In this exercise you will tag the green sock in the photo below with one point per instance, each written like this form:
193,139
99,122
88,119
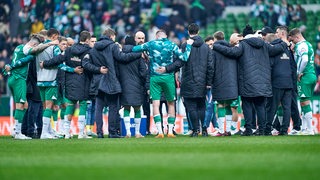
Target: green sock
62,113
137,114
171,120
306,109
82,108
221,112
47,113
157,118
55,115
126,112
18,115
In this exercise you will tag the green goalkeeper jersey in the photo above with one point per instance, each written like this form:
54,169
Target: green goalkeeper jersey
20,52
305,48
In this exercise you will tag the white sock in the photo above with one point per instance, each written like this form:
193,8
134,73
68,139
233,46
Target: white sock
303,122
170,128
18,128
55,123
159,127
137,122
127,125
46,125
15,127
81,124
221,124
234,124
308,120
228,122
67,124
280,119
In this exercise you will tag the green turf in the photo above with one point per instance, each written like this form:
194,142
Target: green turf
294,157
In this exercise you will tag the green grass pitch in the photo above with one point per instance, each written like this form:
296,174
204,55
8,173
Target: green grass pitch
289,157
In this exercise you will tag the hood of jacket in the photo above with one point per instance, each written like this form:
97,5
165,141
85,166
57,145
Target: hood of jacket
254,42
103,42
79,49
197,41
276,41
223,43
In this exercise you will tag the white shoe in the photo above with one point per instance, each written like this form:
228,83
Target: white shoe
68,136
138,135
21,136
90,133
294,132
307,132
56,135
46,136
84,136
275,132
189,132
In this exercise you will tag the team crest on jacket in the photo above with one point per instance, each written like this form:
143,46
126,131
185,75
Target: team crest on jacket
284,56
75,58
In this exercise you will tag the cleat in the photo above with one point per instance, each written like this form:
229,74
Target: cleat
294,132
46,136
128,136
189,132
194,134
90,133
171,136
204,133
227,133
67,136
219,134
275,132
84,136
138,135
21,137
160,136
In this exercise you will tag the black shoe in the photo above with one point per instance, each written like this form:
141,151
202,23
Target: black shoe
100,135
238,133
258,132
148,133
114,136
283,134
267,133
174,132
204,133
246,133
194,134
227,133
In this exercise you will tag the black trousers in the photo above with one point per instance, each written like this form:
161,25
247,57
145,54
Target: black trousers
112,101
295,114
196,111
257,103
279,95
32,117
146,110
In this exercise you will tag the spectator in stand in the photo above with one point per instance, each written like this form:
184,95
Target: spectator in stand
36,26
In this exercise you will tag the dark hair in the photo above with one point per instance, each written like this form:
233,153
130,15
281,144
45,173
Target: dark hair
219,35
193,29
209,38
284,28
84,35
109,32
52,32
161,31
62,38
129,40
247,30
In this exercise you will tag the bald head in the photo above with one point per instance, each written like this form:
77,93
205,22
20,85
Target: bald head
139,37
235,38
70,41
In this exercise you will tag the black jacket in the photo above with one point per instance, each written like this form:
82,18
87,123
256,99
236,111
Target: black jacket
254,67
107,53
224,76
76,85
132,79
281,76
33,92
196,72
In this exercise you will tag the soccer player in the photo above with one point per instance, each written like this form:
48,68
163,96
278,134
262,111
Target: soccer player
304,56
161,53
18,75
